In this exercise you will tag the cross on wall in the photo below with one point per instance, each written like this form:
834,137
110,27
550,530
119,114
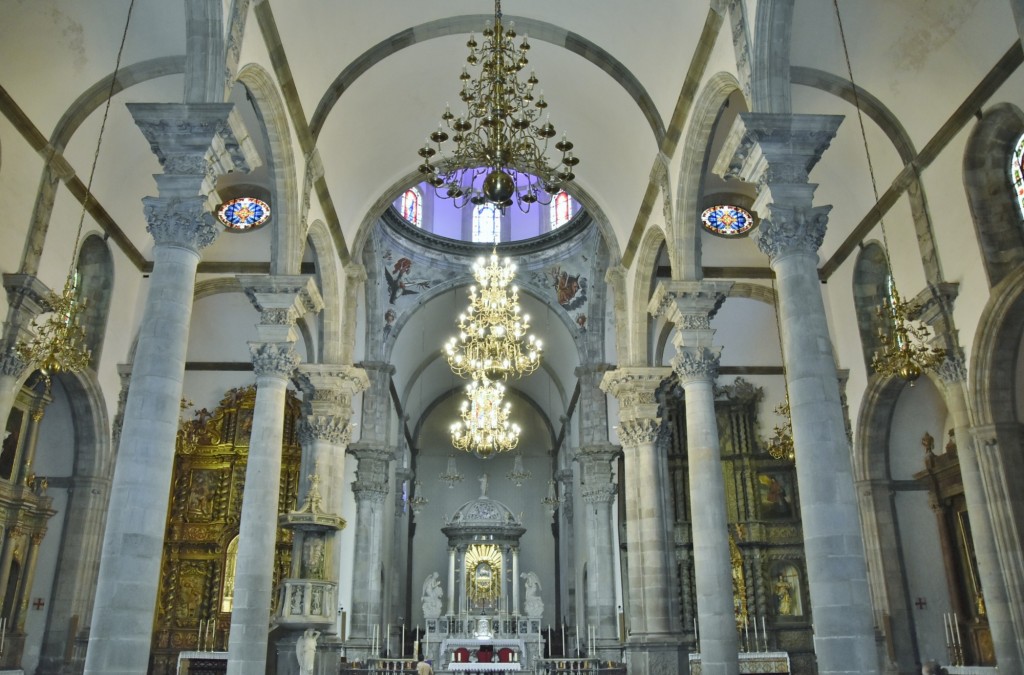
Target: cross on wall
38,603
921,603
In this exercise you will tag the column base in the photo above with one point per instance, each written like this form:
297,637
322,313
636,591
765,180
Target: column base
655,656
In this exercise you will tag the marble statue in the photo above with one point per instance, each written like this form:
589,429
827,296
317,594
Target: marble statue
483,486
305,651
432,597
533,605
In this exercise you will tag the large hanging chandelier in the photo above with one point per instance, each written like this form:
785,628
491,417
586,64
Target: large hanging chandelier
905,351
485,429
492,330
500,144
59,341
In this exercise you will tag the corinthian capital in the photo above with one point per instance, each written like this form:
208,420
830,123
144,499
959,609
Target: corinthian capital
639,431
327,428
695,364
274,358
180,221
635,389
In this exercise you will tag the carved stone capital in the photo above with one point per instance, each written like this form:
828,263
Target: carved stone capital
689,304
211,132
180,221
792,230
953,369
27,298
599,494
639,431
696,364
635,389
326,428
280,300
12,365
328,389
373,493
274,358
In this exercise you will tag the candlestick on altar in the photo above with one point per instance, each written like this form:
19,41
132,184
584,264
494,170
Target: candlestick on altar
199,637
754,621
696,636
764,632
402,648
211,633
3,633
563,639
746,637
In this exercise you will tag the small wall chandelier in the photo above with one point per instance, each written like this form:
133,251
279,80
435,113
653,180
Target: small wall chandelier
59,343
519,473
417,501
552,500
492,329
904,349
500,144
485,429
451,473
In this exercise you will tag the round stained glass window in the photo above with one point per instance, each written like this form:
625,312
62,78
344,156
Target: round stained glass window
244,213
727,221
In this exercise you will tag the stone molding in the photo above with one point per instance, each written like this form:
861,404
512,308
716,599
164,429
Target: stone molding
274,358
372,493
599,494
689,305
698,364
295,294
180,221
328,389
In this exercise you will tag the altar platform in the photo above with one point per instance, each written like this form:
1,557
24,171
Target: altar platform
202,663
752,662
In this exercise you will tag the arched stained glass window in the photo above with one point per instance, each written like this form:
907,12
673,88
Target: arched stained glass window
561,209
412,207
486,224
1017,173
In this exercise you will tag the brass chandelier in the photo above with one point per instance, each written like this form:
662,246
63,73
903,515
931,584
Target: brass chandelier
492,330
498,146
905,351
485,429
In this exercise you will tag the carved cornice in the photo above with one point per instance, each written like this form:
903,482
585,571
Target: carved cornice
696,364
689,305
635,389
180,221
640,431
270,294
274,358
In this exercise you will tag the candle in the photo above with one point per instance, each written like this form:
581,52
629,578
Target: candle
199,637
415,649
577,639
746,637
696,636
403,641
3,633
563,638
387,641
945,627
956,624
764,632
211,629
754,621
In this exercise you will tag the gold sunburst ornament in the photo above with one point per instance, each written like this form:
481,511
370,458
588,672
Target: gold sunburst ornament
483,574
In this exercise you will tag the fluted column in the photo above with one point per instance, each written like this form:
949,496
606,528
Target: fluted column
777,152
280,300
690,306
654,644
598,494
194,143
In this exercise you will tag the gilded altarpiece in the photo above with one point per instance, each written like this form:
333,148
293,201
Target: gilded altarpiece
197,572
765,534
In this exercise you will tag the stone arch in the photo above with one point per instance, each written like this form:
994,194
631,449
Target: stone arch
96,267
685,251
773,29
638,350
870,289
467,23
997,220
330,336
287,244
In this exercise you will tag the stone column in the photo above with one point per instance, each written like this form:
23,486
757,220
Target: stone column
777,152
567,542
598,492
690,305
28,575
653,645
24,468
515,581
451,581
193,143
280,300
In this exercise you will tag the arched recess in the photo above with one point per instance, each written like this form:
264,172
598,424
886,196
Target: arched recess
870,289
887,581
327,272
638,350
74,580
990,194
96,284
686,253
287,246
997,391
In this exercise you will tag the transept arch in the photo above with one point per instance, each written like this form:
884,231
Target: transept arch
96,267
986,165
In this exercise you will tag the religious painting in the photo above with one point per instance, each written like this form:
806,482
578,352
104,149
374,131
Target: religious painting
192,584
570,288
787,598
202,491
775,496
397,276
10,444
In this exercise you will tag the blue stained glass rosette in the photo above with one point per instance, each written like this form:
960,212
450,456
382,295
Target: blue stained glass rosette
727,221
244,213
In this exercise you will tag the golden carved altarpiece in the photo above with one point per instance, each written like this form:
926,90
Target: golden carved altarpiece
197,572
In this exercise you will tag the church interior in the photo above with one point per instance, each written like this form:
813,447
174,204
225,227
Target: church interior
561,337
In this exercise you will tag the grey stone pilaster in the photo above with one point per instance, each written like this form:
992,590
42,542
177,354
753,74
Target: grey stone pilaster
653,638
370,490
690,306
280,300
27,297
777,151
598,492
194,143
